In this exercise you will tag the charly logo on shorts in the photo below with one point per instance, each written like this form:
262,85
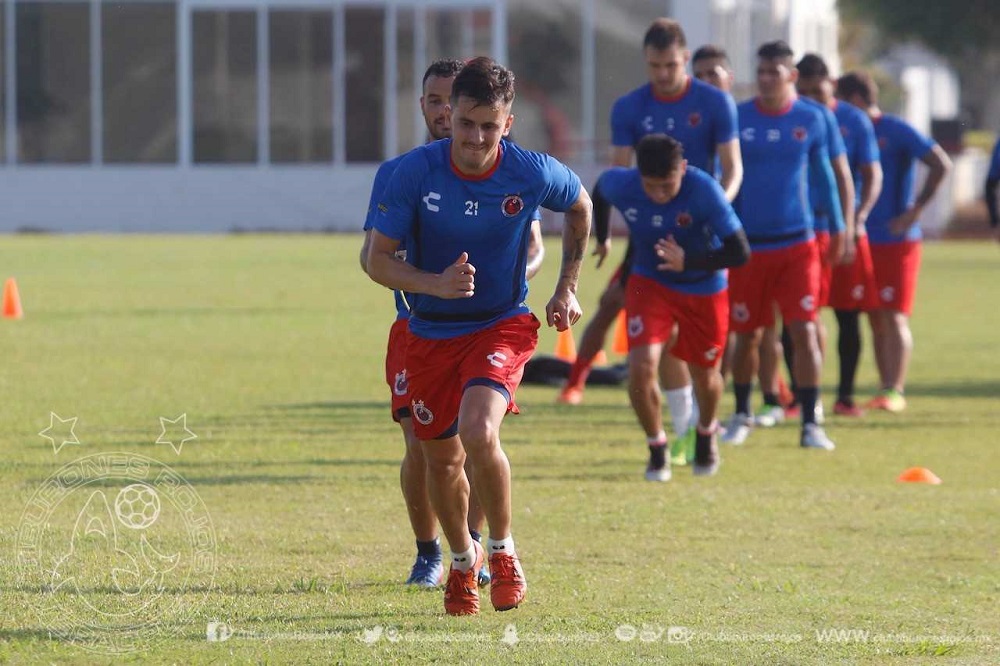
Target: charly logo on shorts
741,313
712,354
635,326
887,294
120,549
512,205
423,415
858,292
402,384
808,303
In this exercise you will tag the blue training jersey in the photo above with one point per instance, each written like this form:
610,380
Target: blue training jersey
859,139
382,176
995,162
444,213
835,147
698,217
699,118
779,148
900,146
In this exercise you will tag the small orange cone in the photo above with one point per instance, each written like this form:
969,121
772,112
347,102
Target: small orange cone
620,344
566,346
600,359
919,475
11,301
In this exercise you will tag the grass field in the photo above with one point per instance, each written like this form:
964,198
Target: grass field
272,347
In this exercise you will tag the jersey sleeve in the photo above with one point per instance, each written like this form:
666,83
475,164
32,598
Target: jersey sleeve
718,213
396,210
826,182
868,152
378,188
562,185
995,162
610,183
622,124
916,143
725,119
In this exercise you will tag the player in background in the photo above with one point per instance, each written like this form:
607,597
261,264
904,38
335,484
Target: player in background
710,64
466,205
992,183
428,568
703,119
852,283
894,233
677,281
782,138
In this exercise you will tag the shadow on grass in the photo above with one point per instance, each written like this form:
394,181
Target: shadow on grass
989,389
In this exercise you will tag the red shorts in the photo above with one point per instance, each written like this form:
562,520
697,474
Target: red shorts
896,267
702,320
441,370
853,286
825,268
787,276
395,368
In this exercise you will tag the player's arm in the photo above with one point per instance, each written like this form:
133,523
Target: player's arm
871,187
845,187
563,310
938,165
536,249
456,281
829,196
363,257
602,225
731,161
991,201
735,251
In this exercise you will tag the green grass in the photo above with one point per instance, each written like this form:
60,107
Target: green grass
273,347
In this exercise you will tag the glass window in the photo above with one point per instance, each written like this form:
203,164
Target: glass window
407,85
365,84
53,82
3,85
139,82
224,61
301,54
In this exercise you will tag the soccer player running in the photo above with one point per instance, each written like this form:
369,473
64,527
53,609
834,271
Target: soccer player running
851,283
782,138
428,568
703,119
466,204
679,214
992,183
894,233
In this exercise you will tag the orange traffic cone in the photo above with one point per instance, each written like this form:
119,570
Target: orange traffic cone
11,301
919,475
566,346
620,344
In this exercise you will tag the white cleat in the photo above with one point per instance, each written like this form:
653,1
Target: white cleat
813,437
769,417
663,474
737,429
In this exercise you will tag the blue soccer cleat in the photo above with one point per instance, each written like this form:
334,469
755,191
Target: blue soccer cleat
426,572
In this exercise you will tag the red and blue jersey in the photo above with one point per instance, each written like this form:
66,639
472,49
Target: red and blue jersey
698,217
443,212
995,162
700,118
900,146
779,149
859,139
382,176
835,147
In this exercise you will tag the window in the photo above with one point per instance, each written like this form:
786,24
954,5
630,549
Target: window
364,83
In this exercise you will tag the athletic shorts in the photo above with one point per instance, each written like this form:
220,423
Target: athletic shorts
825,267
788,276
702,320
853,284
395,368
896,268
441,370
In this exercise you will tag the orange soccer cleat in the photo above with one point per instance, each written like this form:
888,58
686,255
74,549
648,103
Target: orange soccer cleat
461,592
508,586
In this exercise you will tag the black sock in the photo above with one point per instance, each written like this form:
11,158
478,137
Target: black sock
429,548
476,536
849,349
657,456
808,398
771,399
788,351
742,398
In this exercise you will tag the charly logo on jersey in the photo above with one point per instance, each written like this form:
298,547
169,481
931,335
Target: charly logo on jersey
748,134
432,196
631,214
496,359
741,312
512,205
402,384
800,133
635,326
423,415
808,303
647,124
684,219
694,119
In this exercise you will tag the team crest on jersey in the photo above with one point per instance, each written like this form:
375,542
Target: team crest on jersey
684,220
512,205
402,384
421,413
883,142
800,133
844,132
694,119
635,326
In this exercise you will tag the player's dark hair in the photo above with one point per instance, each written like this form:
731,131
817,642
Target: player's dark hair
709,51
657,155
777,50
485,81
664,33
860,84
812,65
445,68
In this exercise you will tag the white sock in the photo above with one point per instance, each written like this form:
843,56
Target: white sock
680,401
659,440
505,545
464,561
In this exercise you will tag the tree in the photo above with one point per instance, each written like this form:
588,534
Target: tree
965,32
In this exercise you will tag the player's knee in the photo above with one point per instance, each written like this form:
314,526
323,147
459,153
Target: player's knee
479,435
